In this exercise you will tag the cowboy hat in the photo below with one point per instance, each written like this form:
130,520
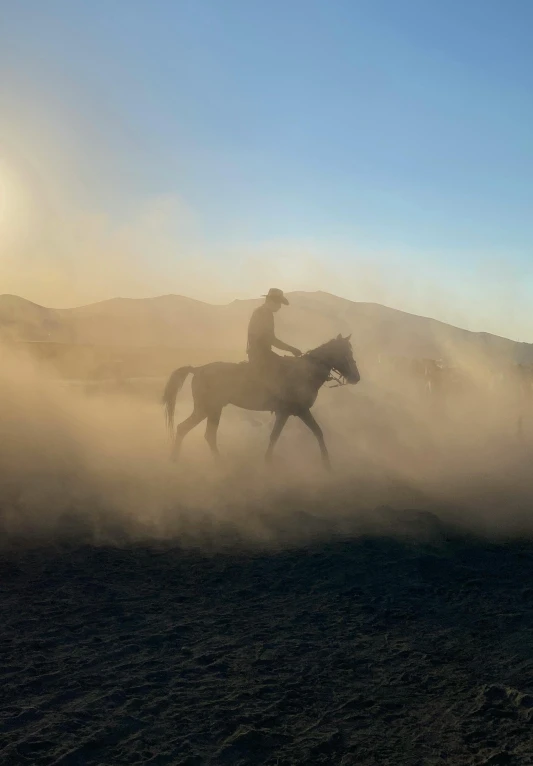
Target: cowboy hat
276,295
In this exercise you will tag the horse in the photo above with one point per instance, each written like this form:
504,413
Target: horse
218,384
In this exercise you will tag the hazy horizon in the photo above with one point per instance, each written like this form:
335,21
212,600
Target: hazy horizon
382,157
257,298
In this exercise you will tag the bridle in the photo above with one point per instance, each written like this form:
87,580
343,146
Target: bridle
334,374
339,379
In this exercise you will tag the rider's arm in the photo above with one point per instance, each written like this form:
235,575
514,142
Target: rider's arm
285,347
262,325
280,344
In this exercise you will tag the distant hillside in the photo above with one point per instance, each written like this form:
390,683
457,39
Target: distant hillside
178,322
22,320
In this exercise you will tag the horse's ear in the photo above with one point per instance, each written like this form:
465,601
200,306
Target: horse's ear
339,337
348,337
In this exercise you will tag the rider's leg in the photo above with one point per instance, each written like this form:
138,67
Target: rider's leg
266,369
311,423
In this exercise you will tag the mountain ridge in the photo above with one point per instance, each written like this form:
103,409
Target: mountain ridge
180,321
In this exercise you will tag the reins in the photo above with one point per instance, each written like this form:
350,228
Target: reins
339,379
334,374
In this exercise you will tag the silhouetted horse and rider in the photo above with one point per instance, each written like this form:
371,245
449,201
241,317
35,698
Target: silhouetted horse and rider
267,382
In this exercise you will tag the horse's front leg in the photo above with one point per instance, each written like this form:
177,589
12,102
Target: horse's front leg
311,423
281,419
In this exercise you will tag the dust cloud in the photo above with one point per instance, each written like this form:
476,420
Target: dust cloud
96,466
91,465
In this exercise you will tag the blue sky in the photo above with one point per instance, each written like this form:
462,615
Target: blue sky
393,135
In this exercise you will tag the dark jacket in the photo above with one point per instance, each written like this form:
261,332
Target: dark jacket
261,336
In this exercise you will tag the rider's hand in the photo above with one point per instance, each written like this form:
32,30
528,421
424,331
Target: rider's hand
296,352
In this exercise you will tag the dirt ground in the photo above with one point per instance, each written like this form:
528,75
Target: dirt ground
357,651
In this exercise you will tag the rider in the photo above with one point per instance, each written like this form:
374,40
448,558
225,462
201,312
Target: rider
261,335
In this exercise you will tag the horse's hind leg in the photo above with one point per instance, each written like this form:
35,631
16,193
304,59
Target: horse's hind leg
279,425
213,419
183,429
311,423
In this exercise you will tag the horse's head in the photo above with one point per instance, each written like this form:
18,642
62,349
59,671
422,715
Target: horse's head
343,361
338,354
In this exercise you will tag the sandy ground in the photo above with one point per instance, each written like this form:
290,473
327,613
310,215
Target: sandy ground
361,651
231,614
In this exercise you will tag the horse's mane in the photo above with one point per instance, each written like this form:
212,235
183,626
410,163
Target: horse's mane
316,351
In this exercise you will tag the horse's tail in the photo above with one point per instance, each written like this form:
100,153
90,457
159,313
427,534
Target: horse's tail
172,388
